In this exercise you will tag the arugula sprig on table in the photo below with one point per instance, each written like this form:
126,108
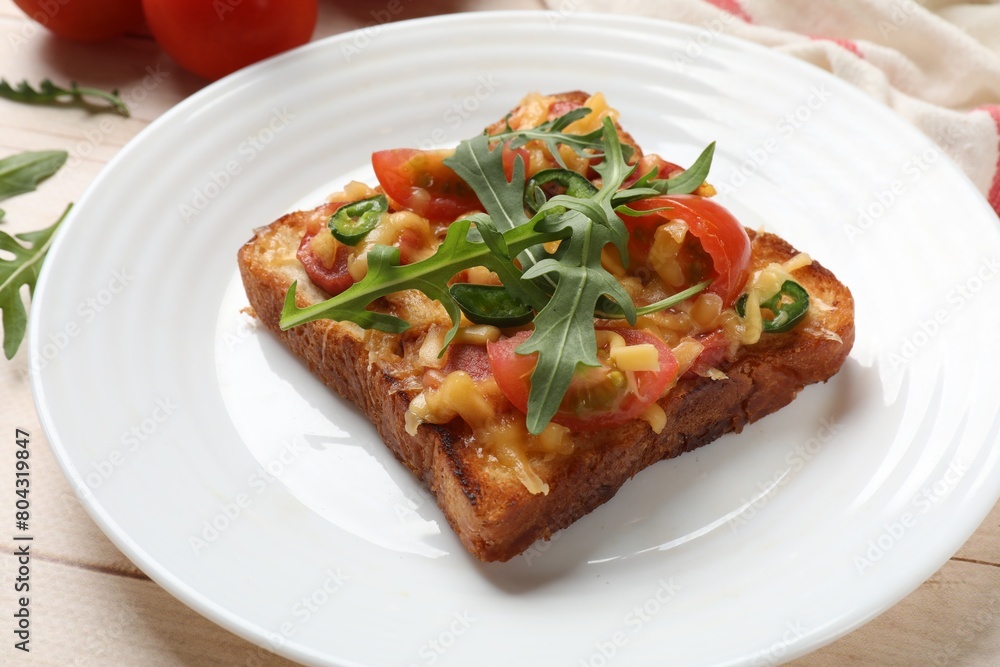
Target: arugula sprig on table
29,250
565,287
23,172
19,174
50,94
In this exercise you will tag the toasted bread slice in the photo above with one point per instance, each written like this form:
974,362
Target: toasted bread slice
490,509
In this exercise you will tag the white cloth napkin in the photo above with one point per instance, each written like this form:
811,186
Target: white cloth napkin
936,62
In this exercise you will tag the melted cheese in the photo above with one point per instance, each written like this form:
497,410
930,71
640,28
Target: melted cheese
353,191
501,433
389,231
325,247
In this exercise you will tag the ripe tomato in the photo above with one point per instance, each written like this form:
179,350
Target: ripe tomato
85,20
595,399
510,156
419,181
213,39
719,233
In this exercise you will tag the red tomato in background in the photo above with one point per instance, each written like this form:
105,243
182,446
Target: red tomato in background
85,20
512,372
213,39
720,234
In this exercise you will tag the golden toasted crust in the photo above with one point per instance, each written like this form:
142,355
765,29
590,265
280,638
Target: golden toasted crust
489,508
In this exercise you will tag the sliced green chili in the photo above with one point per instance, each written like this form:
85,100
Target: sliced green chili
571,182
352,222
786,313
490,304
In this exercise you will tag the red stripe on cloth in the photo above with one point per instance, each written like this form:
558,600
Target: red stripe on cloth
733,7
994,196
847,44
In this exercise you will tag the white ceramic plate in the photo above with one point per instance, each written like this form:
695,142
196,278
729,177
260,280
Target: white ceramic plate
237,482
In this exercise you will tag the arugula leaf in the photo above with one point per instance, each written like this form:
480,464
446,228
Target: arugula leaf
683,183
482,169
430,276
23,172
551,134
564,330
22,270
75,96
688,180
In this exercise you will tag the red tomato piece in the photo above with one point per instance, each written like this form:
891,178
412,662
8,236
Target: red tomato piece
419,181
213,39
510,155
593,401
721,236
85,20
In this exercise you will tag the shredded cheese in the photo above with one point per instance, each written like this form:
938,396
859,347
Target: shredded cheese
642,357
477,334
655,417
389,231
503,435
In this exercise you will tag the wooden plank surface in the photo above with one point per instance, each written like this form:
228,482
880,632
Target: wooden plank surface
92,606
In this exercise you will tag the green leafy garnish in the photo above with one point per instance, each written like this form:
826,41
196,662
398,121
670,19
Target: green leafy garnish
386,276
29,250
551,134
564,289
23,172
564,330
50,94
688,180
683,183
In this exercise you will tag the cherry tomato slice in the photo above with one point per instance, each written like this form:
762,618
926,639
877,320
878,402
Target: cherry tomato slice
509,155
419,181
721,236
593,386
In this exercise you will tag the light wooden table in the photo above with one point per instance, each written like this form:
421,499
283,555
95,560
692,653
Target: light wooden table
91,606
